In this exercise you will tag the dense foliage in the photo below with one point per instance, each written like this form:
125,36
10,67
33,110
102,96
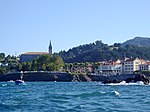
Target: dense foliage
2,56
41,63
2,70
138,41
99,51
8,63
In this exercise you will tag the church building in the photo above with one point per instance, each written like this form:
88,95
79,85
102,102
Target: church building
29,56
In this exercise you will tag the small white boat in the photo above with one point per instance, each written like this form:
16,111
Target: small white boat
18,82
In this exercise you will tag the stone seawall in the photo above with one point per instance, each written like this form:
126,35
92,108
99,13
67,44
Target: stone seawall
67,77
59,77
37,76
50,76
8,77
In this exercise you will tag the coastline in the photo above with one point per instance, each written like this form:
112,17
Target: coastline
44,76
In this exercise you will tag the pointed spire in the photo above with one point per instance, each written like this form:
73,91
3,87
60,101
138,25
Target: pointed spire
50,48
50,45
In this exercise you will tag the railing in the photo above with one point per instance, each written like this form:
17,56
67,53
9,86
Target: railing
21,72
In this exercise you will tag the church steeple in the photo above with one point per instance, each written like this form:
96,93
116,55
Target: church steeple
50,48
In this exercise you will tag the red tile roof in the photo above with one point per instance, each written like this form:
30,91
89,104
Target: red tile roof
35,53
130,59
148,63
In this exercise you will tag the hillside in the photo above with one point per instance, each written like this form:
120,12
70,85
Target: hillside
83,53
138,41
98,51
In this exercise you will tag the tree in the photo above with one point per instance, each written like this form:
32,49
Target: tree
3,70
2,56
26,66
51,67
117,45
41,63
8,58
58,61
19,67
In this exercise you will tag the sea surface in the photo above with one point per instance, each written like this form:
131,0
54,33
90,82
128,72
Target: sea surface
74,97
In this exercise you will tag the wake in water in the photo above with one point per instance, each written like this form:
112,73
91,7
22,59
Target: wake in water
111,93
124,83
96,94
11,83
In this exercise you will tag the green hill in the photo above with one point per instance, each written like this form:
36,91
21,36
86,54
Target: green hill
138,41
98,51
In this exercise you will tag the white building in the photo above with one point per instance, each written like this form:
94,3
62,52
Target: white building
128,66
145,66
110,69
131,65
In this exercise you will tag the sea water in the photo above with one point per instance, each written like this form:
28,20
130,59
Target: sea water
74,97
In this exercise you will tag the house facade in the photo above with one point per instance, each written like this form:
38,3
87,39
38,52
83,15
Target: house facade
110,69
145,66
126,66
131,65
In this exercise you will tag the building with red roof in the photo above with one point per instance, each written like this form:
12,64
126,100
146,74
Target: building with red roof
29,56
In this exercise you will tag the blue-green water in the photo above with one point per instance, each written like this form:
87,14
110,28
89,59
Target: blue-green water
73,97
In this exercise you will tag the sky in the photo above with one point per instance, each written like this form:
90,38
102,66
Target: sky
29,25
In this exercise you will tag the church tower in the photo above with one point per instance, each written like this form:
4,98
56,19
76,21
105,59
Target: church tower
50,48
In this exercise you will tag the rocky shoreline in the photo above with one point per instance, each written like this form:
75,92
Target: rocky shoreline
133,78
67,77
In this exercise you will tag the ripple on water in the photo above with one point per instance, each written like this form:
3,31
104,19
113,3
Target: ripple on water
78,97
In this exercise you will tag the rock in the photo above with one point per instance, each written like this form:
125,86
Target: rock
143,78
111,81
139,77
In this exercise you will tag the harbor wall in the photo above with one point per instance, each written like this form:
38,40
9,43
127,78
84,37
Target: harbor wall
64,77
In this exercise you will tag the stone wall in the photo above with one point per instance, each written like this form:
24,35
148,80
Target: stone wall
66,77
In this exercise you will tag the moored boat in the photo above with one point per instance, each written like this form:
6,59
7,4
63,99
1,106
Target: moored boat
18,82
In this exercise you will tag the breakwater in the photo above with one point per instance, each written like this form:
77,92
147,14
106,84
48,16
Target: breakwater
67,77
50,76
37,76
